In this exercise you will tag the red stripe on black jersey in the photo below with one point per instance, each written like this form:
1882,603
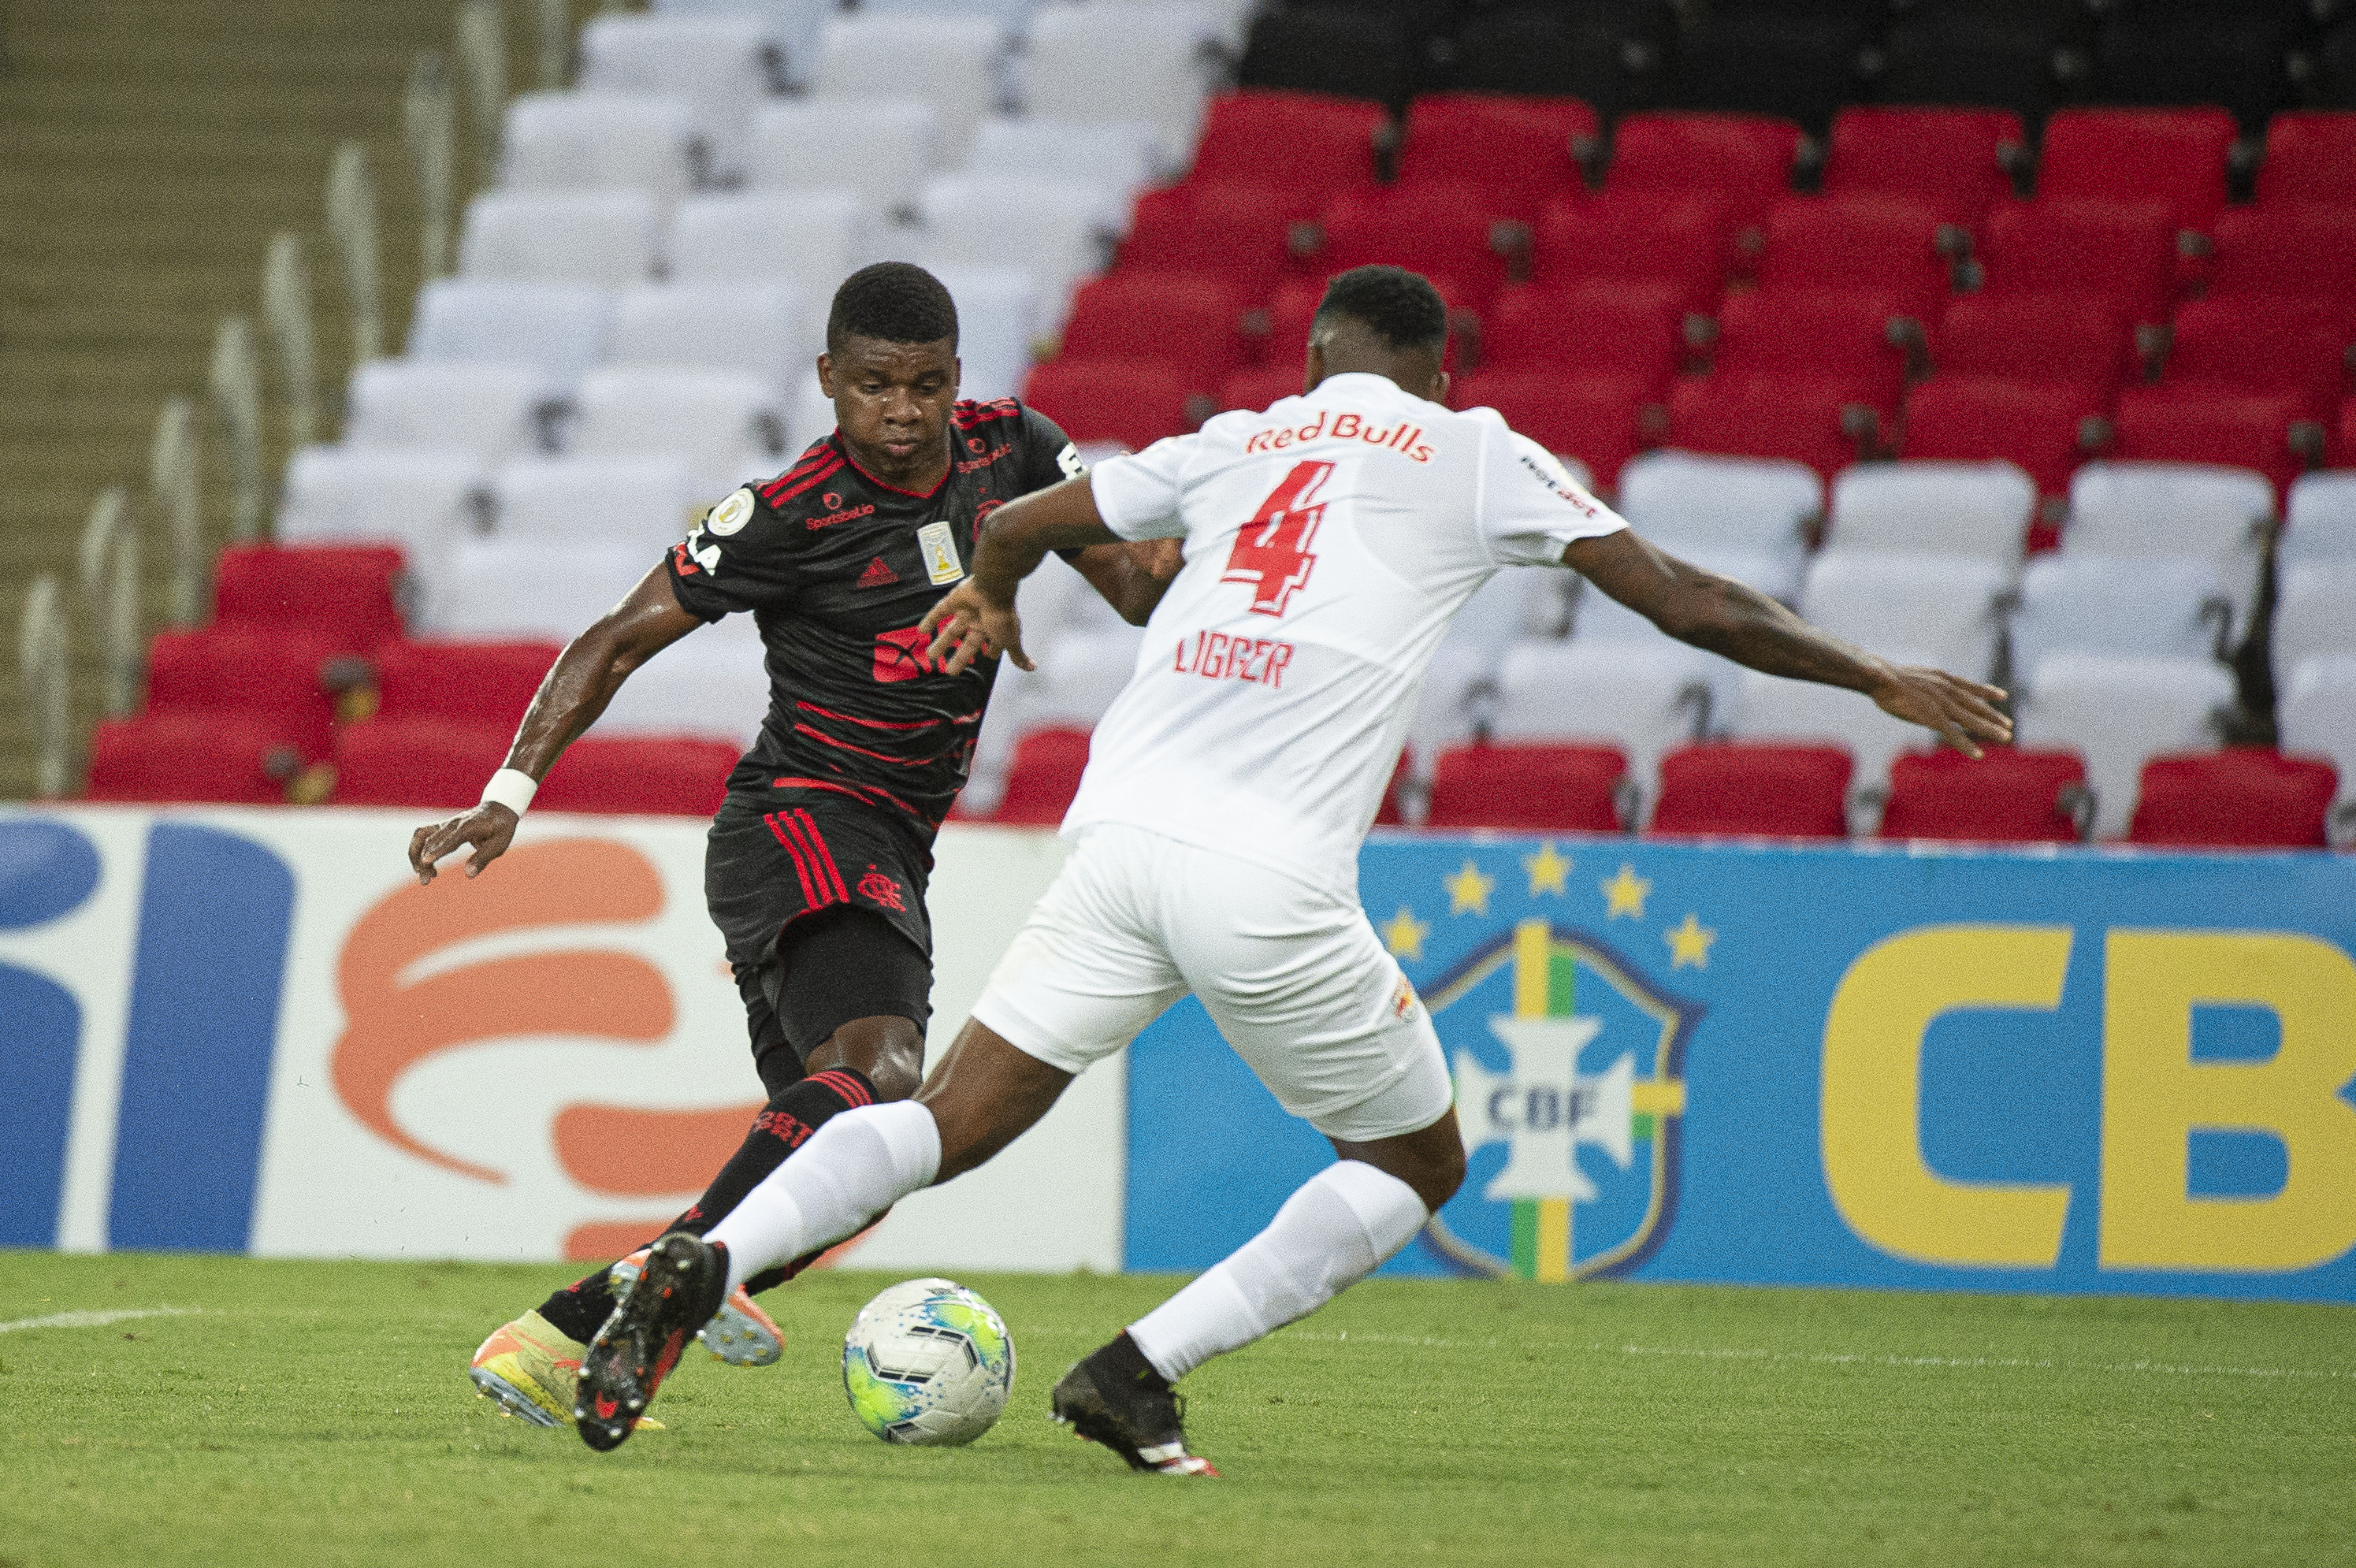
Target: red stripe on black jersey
810,826
809,480
811,895
973,413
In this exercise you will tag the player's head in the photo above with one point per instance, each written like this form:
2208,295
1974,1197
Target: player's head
1385,320
890,367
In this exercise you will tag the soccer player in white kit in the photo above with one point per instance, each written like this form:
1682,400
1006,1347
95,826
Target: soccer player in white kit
1328,541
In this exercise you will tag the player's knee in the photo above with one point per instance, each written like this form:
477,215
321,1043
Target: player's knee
889,1051
1444,1175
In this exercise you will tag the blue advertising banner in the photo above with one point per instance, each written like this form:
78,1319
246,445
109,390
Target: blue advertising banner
2080,1071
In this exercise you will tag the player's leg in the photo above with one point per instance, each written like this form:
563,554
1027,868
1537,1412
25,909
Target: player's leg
1302,988
1070,991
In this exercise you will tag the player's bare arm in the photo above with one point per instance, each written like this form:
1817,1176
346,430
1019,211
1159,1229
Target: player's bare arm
1132,577
978,615
1731,619
575,691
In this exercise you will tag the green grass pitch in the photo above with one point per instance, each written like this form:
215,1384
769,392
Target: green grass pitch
317,1412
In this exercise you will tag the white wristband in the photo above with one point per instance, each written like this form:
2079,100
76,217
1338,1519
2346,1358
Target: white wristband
511,788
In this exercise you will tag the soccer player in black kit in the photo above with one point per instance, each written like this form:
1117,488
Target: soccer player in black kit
818,861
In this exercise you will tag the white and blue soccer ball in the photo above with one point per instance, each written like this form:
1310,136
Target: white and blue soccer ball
928,1362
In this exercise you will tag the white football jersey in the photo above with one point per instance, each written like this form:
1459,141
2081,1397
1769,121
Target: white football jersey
1328,544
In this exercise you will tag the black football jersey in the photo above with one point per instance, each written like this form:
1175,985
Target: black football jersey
837,568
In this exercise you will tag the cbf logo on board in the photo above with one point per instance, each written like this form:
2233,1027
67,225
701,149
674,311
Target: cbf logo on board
1568,1059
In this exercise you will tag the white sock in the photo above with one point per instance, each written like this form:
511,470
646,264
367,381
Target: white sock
1332,1233
852,1169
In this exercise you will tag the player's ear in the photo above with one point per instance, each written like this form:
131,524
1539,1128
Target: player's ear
1315,370
957,375
825,374
1438,392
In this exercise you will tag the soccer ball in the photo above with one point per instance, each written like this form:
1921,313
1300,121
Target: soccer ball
928,1362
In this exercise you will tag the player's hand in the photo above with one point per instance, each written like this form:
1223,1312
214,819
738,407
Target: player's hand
489,828
1963,712
967,625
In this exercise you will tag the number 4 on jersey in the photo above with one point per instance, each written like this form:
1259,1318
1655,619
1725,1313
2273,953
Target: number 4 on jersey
1272,550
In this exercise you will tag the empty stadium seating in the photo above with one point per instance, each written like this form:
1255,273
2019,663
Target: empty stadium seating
1528,787
2007,796
2242,798
1732,788
1951,161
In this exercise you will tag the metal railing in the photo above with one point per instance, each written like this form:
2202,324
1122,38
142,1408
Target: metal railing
236,383
286,313
41,655
173,467
110,560
429,125
351,224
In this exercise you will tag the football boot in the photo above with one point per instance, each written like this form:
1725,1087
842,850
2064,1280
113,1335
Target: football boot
681,1284
742,1336
529,1366
1141,1423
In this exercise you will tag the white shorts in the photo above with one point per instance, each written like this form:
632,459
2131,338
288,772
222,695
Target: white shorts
1295,979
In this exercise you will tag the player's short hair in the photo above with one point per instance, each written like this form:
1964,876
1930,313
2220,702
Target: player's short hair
1397,306
898,302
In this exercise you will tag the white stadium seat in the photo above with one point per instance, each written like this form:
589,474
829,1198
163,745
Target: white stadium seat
722,427
1153,63
1227,21
1080,675
1118,156
1598,618
489,410
526,589
2317,718
1686,501
1915,609
1460,687
813,239
763,329
1058,231
1979,509
958,57
713,682
2321,521
2175,508
720,64
607,239
568,141
791,26
2118,712
425,502
1647,700
2094,603
561,329
645,503
2315,614
810,416
996,309
885,149
1012,17
1772,708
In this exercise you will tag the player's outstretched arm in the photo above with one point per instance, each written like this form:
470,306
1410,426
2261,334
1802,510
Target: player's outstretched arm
1132,577
1746,625
577,687
978,617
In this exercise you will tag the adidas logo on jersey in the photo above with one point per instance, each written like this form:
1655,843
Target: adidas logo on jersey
877,575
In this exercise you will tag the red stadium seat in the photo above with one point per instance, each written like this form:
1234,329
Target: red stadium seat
1045,777
1528,789
2243,798
2171,155
2006,797
1517,151
2038,338
1600,417
2309,251
270,673
2310,157
1728,788
1439,231
1190,322
2040,425
225,758
1237,233
466,681
1949,160
1676,239
656,775
1746,159
1816,332
2124,252
2346,435
1295,304
430,762
1133,402
2200,424
1820,421
345,593
1257,388
2265,343
1633,328
1305,141
1877,242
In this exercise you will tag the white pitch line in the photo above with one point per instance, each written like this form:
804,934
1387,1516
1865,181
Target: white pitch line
96,1319
1835,1358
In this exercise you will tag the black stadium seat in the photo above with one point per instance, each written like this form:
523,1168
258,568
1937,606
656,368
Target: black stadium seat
2020,54
1796,59
2235,53
1349,48
1611,53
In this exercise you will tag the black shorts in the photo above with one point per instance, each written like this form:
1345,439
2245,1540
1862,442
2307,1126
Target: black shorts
823,911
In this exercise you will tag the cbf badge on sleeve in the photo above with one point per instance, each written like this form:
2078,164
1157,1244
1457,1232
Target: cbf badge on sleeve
938,547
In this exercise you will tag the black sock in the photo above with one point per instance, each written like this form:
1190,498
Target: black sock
579,1309
1128,1363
